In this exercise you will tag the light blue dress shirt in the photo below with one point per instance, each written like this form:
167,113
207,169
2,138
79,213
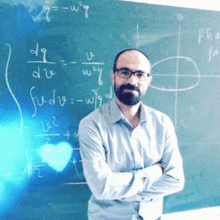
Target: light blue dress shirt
118,163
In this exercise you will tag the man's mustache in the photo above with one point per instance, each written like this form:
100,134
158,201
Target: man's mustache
129,87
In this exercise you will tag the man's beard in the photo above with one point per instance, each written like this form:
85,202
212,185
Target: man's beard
128,98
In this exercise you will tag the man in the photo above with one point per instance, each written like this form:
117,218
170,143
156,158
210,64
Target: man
129,151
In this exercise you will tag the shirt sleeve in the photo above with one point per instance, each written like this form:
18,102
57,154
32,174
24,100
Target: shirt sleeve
172,180
104,183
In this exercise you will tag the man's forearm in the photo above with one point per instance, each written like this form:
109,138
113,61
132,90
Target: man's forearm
106,184
167,184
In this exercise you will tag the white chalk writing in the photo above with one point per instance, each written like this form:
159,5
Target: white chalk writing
36,101
70,8
206,34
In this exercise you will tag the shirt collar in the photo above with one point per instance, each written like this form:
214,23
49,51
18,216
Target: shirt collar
116,114
143,116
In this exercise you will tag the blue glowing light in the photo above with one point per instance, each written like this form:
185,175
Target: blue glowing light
56,156
13,173
13,156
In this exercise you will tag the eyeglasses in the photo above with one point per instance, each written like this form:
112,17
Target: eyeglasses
125,73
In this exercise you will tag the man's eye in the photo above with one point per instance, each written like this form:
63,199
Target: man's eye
140,75
125,72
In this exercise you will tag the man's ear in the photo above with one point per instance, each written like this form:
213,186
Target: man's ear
149,79
112,76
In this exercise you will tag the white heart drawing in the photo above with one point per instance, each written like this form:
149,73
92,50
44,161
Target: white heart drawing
56,156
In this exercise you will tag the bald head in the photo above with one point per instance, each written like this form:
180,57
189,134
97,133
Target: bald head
129,56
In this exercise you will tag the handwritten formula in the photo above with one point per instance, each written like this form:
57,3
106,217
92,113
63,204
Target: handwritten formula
78,8
45,70
52,98
213,38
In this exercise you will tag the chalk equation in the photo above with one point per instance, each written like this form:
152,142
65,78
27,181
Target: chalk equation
41,55
52,130
41,58
78,8
52,97
206,34
95,100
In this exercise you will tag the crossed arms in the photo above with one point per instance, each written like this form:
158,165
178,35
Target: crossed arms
161,179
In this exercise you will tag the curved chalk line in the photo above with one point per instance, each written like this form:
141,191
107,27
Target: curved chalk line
178,90
9,88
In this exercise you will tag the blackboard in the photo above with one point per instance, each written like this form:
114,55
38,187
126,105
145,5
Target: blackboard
55,61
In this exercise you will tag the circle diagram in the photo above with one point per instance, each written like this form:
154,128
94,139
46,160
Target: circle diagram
184,77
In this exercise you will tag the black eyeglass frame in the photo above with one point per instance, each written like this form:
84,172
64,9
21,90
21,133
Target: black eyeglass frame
132,73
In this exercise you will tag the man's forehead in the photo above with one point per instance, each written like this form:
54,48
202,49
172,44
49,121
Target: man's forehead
133,57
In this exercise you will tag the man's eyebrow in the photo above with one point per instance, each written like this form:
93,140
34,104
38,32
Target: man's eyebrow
124,68
138,71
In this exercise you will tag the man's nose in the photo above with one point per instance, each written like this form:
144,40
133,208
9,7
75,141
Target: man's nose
132,79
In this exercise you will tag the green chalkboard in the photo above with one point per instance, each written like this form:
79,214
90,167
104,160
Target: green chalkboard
55,63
